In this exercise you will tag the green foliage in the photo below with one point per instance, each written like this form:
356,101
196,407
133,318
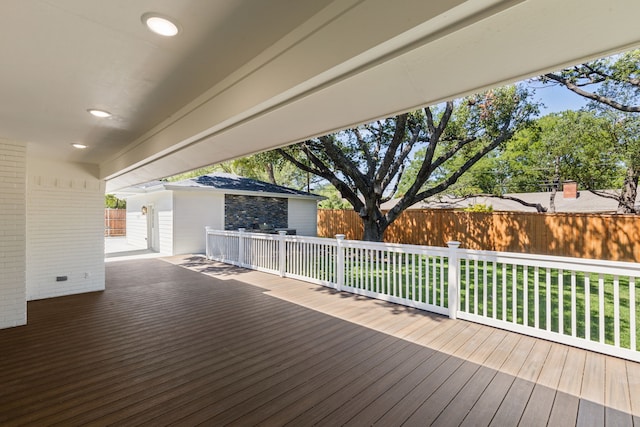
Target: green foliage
268,166
333,198
112,202
479,207
578,144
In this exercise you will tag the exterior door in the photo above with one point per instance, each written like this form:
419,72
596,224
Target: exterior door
152,229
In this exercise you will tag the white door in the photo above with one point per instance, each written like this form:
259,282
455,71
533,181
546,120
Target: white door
152,229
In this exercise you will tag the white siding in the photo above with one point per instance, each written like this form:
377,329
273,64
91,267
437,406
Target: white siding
65,229
193,211
303,216
163,217
13,305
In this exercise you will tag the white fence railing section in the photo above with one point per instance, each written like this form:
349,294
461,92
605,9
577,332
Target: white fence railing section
586,303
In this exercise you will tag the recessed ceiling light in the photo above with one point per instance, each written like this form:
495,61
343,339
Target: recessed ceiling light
99,113
160,24
79,146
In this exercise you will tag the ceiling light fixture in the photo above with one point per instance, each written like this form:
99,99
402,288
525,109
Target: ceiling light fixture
79,146
99,113
160,24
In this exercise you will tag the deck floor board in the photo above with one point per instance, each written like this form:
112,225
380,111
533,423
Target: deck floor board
186,341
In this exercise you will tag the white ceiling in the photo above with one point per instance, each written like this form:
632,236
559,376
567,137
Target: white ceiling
248,75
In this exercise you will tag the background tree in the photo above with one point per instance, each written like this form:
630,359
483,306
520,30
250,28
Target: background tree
572,145
366,164
613,85
112,202
267,166
333,199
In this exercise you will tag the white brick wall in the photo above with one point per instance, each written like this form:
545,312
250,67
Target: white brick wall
65,229
13,306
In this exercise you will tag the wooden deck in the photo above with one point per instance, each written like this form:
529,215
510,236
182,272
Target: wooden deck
169,345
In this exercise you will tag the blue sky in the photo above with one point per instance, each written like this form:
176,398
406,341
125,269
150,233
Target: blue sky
557,98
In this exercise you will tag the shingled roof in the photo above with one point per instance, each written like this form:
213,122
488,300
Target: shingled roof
222,182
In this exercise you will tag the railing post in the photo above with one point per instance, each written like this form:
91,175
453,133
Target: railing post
241,246
340,262
453,279
207,245
282,254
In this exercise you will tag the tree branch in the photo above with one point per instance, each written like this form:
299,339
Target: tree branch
593,96
398,138
537,206
324,172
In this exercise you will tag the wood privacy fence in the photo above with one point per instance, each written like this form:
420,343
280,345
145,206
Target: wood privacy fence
115,222
595,236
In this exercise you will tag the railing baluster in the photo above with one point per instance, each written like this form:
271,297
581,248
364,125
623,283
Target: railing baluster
504,292
378,270
548,298
574,323
420,281
587,307
560,302
536,297
601,307
407,266
494,291
466,285
514,293
632,313
484,288
616,311
525,296
442,281
475,286
413,278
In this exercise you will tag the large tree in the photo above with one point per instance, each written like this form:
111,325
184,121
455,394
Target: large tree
366,163
612,85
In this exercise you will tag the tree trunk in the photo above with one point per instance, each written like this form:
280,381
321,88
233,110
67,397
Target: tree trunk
270,173
627,202
372,231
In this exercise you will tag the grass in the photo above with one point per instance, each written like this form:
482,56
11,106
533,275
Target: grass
550,288
488,289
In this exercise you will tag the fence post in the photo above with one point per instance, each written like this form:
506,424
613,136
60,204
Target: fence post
207,245
282,254
453,279
241,246
340,262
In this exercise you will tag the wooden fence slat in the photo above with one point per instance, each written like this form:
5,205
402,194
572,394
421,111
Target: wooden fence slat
596,236
115,222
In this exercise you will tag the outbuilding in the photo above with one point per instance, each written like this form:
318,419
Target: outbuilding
170,217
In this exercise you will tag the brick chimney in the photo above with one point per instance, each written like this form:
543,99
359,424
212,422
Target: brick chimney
570,190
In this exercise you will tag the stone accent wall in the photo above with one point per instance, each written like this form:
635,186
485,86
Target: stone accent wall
251,211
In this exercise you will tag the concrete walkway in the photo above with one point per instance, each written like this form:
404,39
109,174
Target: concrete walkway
117,249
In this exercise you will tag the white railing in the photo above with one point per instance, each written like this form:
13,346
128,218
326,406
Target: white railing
586,303
405,274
